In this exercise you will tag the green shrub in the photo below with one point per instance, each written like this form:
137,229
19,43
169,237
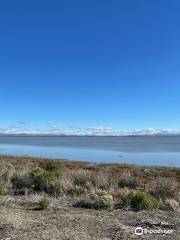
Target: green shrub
103,200
1,186
97,200
43,181
44,203
140,200
49,165
80,178
77,191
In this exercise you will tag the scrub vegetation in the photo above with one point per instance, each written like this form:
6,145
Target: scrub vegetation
57,199
101,186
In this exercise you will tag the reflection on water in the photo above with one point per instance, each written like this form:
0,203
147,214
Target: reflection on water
94,155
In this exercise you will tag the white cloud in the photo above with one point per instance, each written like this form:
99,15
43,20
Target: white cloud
97,131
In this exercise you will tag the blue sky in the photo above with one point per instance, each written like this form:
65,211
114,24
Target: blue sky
89,64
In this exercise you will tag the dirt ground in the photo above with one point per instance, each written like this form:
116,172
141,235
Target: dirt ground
20,219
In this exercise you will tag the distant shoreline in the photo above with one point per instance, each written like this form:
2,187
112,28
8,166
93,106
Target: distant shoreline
86,135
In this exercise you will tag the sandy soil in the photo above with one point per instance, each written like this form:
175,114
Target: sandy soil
21,219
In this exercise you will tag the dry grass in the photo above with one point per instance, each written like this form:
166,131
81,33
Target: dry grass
101,179
127,180
101,186
162,187
59,178
172,204
21,180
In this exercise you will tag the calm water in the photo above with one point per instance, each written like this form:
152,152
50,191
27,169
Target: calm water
144,150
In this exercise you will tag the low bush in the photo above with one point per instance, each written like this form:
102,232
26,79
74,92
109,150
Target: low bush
77,191
127,180
43,181
119,194
49,165
44,203
79,177
140,201
21,182
64,184
1,186
97,200
163,188
172,204
102,180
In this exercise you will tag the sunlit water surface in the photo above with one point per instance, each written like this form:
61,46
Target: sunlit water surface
144,150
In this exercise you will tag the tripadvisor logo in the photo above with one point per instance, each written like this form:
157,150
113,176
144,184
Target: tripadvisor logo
140,231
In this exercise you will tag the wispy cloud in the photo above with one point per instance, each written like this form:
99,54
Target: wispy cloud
23,122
